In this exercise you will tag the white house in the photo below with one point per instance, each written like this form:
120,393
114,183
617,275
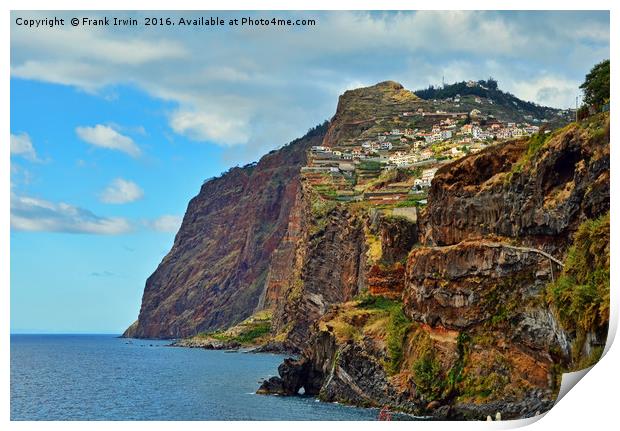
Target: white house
446,134
320,149
427,176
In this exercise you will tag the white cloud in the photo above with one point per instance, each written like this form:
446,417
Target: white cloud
32,214
106,137
202,126
21,145
86,76
230,87
121,191
225,73
166,223
40,215
97,46
548,90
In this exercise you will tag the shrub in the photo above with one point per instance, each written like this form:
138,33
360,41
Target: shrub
427,374
534,145
580,295
260,330
397,330
376,302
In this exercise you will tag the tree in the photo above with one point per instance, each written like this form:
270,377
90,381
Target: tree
596,86
491,84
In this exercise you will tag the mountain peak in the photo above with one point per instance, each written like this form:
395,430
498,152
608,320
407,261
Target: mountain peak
366,105
390,84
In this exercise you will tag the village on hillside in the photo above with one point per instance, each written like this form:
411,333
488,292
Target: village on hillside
394,166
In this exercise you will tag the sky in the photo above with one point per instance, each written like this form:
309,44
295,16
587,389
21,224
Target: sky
114,129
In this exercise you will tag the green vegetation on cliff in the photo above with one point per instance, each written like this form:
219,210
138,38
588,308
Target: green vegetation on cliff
596,85
580,295
397,328
397,331
251,331
594,129
427,370
535,143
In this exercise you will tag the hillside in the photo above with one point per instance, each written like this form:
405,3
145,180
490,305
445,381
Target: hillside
214,275
364,112
486,95
468,314
427,261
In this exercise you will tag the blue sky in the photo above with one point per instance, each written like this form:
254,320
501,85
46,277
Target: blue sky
114,129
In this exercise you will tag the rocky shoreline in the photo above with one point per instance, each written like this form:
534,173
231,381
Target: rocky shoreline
214,344
349,375
295,374
207,344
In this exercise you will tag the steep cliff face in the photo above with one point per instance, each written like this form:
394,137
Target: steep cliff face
215,273
538,190
487,309
469,305
326,259
326,267
460,286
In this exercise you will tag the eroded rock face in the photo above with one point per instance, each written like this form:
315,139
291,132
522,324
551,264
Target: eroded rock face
309,372
343,373
466,284
398,235
494,234
357,378
214,275
292,377
483,194
388,282
328,268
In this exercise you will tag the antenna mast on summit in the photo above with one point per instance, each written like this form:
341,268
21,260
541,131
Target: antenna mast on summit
576,106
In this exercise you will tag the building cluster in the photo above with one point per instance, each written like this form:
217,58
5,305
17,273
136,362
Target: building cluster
451,135
428,140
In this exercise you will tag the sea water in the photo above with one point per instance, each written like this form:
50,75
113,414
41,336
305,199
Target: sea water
103,377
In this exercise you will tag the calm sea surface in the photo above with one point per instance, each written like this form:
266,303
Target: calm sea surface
101,377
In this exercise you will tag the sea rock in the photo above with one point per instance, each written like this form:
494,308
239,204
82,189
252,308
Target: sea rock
293,375
272,386
206,343
275,347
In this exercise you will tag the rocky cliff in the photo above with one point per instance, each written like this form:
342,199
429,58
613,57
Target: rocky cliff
475,320
358,111
326,267
537,190
215,274
467,303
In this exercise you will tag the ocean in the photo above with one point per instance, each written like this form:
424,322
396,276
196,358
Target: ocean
103,377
